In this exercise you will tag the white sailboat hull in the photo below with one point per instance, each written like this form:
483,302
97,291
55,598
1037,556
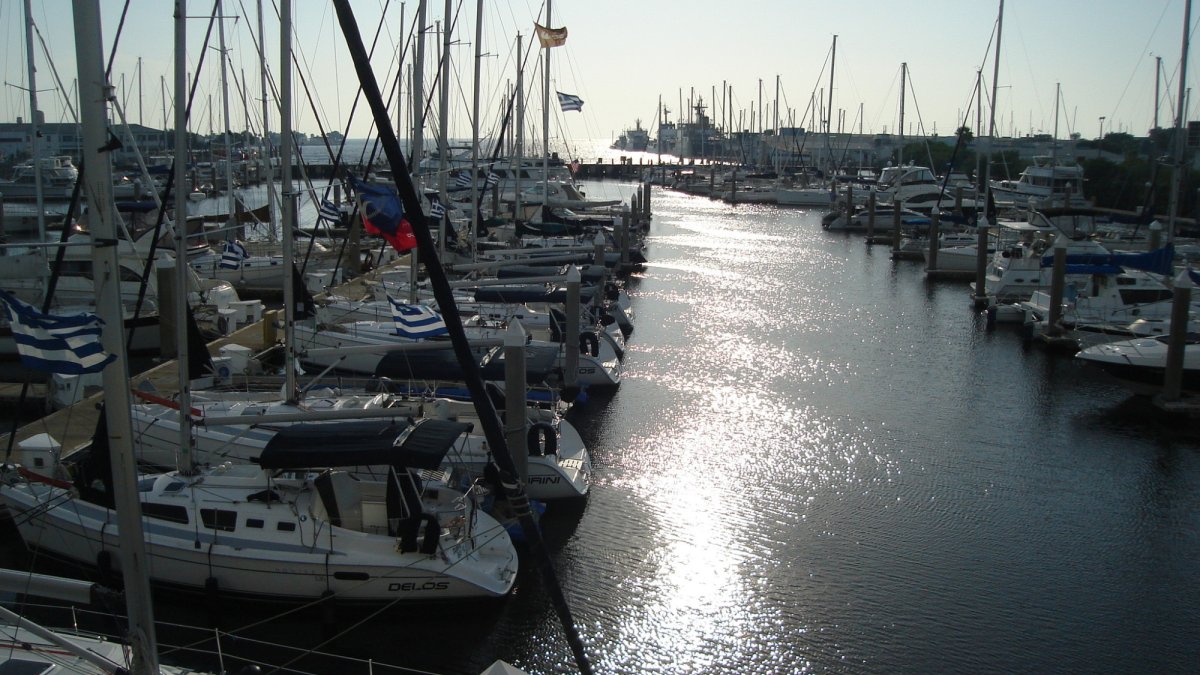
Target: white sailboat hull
305,564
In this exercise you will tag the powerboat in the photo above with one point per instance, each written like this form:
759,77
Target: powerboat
1111,304
1016,269
860,220
1051,181
59,176
1140,363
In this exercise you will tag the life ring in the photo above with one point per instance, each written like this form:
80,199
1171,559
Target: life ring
542,439
589,343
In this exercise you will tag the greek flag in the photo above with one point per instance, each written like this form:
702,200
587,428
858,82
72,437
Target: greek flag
416,321
232,255
569,101
463,180
492,180
329,211
436,210
56,344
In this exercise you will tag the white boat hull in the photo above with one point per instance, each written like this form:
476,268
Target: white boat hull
313,560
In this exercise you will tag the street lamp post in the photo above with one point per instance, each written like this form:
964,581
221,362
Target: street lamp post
1101,127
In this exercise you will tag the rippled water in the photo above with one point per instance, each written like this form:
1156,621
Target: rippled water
819,461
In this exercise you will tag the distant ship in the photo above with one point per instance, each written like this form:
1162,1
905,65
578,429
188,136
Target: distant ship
636,139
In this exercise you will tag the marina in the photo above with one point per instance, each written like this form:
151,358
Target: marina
772,494
760,389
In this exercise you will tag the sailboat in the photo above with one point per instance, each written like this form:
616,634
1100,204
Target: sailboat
289,527
559,465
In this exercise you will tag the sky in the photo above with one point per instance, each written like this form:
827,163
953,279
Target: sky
622,56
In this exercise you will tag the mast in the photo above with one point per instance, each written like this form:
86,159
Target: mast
266,123
230,222
1177,164
903,85
760,121
476,216
1157,81
418,94
287,213
680,147
519,155
94,93
141,94
418,131
1054,144
660,126
760,108
775,149
980,188
162,92
987,165
832,64
33,124
181,267
399,70
546,119
444,122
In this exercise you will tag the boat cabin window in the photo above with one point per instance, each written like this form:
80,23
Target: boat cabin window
76,268
285,527
219,519
83,268
1138,296
169,512
254,522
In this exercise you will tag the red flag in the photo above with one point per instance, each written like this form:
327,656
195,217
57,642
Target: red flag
402,238
383,214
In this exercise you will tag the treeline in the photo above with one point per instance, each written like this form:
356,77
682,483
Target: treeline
1143,176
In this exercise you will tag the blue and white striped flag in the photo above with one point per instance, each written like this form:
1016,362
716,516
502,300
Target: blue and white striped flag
436,209
569,102
329,211
463,180
492,180
56,344
232,255
416,321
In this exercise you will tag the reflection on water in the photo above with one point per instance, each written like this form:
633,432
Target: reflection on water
820,461
835,467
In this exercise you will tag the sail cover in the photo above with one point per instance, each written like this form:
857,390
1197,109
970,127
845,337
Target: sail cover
1158,261
419,445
